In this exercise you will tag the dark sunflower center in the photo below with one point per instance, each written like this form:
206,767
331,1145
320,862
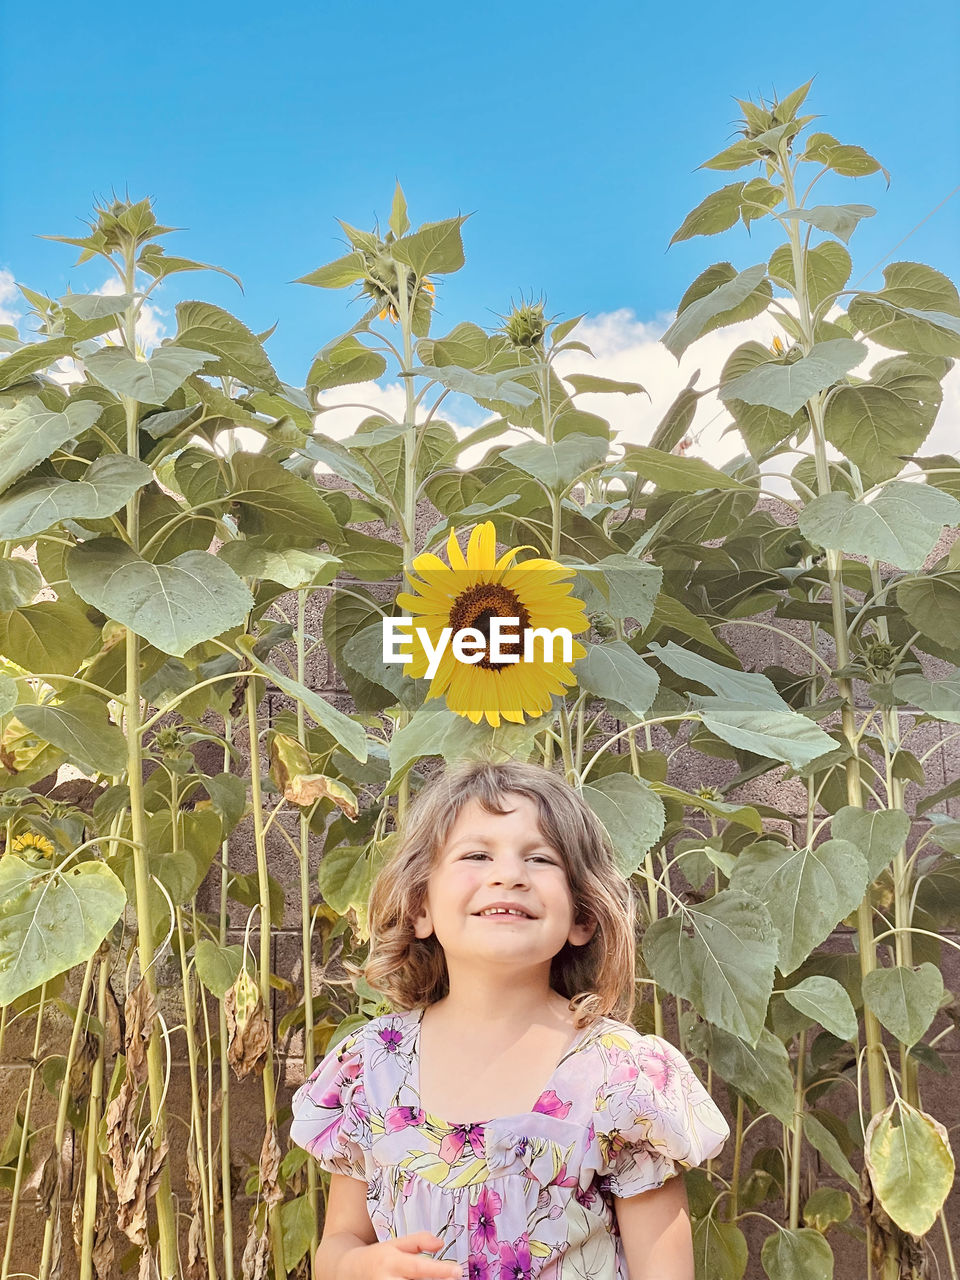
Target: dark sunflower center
477,605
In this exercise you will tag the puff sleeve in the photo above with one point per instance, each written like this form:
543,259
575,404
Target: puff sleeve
653,1117
330,1115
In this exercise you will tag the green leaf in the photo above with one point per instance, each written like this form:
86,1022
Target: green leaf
884,316
51,921
174,606
482,386
827,1205
823,1141
904,1000
277,505
348,362
727,682
19,582
757,198
399,225
435,248
844,158
828,268
806,891
743,152
632,813
297,1224
151,381
669,612
838,220
901,525
8,694
695,319
939,698
744,815
717,212
204,327
616,672
349,733
82,729
293,568
826,1002
31,432
218,967
788,387
875,428
338,274
760,1072
798,1254
228,798
52,637
877,833
154,262
621,586
31,357
719,1250
558,466
908,1156
673,473
777,735
341,461
36,504
588,383
932,606
720,956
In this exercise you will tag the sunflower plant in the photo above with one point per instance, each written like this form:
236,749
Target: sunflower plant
160,576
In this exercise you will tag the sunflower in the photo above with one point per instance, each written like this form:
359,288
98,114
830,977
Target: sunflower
391,311
32,840
468,593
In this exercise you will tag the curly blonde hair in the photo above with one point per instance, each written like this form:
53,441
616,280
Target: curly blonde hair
597,978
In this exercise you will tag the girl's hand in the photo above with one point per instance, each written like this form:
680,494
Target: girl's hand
398,1259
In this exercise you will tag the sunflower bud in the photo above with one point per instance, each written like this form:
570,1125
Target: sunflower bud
526,325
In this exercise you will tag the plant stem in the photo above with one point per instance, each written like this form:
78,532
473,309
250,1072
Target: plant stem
166,1212
305,915
274,1226
24,1139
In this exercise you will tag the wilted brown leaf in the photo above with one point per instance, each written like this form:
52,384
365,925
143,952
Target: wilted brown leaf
247,1028
270,1166
253,1265
140,1013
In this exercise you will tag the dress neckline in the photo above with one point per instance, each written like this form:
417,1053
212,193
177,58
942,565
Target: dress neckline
414,1082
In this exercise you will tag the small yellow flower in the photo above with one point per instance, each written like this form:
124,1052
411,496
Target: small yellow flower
777,347
390,310
32,840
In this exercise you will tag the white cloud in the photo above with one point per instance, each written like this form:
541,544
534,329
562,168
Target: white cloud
8,294
628,349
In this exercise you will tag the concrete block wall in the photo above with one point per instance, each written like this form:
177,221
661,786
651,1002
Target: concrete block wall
757,648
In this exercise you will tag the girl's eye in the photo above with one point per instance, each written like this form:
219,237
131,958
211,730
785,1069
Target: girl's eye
540,856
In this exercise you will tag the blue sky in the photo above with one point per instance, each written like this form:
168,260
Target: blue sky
571,132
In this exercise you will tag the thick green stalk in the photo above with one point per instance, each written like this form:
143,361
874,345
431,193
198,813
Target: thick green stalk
796,1146
226,1190
166,1211
305,941
876,1078
24,1139
91,1171
868,961
269,1085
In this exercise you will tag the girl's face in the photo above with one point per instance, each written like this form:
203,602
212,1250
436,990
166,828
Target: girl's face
493,858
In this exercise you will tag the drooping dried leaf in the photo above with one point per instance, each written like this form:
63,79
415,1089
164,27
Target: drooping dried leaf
270,1166
253,1265
247,1027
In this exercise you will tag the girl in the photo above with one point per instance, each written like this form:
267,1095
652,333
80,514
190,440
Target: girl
507,1122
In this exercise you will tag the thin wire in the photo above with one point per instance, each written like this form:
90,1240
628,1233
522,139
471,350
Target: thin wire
907,236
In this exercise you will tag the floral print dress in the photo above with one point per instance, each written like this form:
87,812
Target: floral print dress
519,1196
